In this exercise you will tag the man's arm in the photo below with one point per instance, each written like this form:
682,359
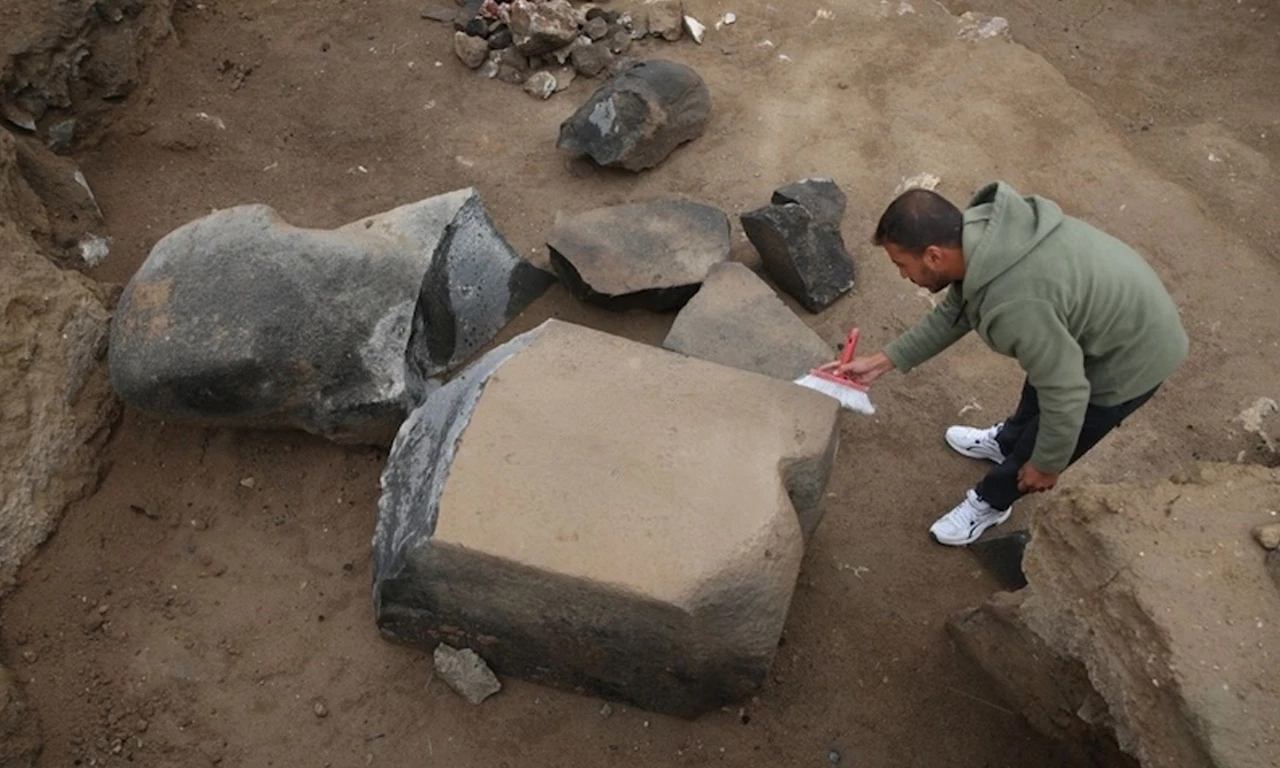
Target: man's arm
932,334
1032,332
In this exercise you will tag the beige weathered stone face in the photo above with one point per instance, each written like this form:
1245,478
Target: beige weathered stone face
615,518
629,466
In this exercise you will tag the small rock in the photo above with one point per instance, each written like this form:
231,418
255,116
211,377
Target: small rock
248,482
592,59
492,66
638,118
319,708
639,256
1268,535
638,25
542,27
540,85
666,19
833,757
466,673
500,38
596,28
93,622
726,20
697,30
29,657
513,66
618,41
977,26
606,710
472,51
61,135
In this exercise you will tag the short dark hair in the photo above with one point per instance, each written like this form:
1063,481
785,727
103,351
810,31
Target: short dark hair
917,219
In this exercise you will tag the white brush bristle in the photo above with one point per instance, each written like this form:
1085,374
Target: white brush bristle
849,397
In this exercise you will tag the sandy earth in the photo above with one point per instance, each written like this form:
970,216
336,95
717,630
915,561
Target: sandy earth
188,615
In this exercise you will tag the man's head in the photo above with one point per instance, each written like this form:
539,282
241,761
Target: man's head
920,231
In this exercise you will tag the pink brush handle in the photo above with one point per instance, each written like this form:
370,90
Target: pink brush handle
850,344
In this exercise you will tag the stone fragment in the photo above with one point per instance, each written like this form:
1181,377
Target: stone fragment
640,255
540,85
697,30
596,28
806,259
1172,624
240,318
466,673
736,319
513,66
1268,535
618,41
602,515
638,118
665,18
822,197
472,51
468,19
500,38
590,60
564,78
58,407
542,27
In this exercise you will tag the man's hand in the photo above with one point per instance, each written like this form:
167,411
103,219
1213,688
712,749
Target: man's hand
863,370
1032,480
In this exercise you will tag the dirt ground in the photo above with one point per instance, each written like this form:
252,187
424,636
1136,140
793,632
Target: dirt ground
214,593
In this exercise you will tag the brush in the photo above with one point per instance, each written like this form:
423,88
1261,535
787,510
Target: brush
850,393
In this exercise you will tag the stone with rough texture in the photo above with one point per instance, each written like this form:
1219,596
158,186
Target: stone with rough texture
542,27
665,18
640,255
591,59
540,85
58,408
822,197
466,673
1268,535
598,514
805,258
737,320
240,318
20,740
1158,595
472,51
639,117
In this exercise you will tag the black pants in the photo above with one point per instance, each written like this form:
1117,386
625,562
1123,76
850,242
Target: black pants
1017,439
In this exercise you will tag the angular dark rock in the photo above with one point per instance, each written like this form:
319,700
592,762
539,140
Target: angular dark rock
639,256
825,200
637,118
737,320
805,259
542,27
241,319
500,38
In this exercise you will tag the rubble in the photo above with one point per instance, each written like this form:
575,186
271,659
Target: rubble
640,255
1148,622
736,319
801,244
638,118
240,318
538,510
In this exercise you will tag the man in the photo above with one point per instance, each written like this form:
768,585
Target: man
1085,316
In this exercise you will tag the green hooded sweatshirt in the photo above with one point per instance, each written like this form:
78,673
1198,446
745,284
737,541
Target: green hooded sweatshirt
1084,315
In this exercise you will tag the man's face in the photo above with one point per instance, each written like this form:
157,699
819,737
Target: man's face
921,270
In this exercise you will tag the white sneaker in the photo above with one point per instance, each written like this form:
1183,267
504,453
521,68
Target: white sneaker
967,522
976,443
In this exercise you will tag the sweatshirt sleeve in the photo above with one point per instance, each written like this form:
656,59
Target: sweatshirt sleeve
1032,332
936,331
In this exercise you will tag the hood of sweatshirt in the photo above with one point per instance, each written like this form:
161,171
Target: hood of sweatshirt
1000,228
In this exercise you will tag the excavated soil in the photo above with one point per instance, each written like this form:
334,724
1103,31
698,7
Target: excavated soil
210,603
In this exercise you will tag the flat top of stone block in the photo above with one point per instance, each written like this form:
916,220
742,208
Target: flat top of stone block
600,458
627,248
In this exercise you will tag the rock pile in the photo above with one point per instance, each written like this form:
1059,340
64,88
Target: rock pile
241,319
598,514
549,42
1148,629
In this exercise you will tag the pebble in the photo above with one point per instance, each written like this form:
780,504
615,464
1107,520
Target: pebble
1268,535
320,709
606,710
29,657
248,482
540,85
834,757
